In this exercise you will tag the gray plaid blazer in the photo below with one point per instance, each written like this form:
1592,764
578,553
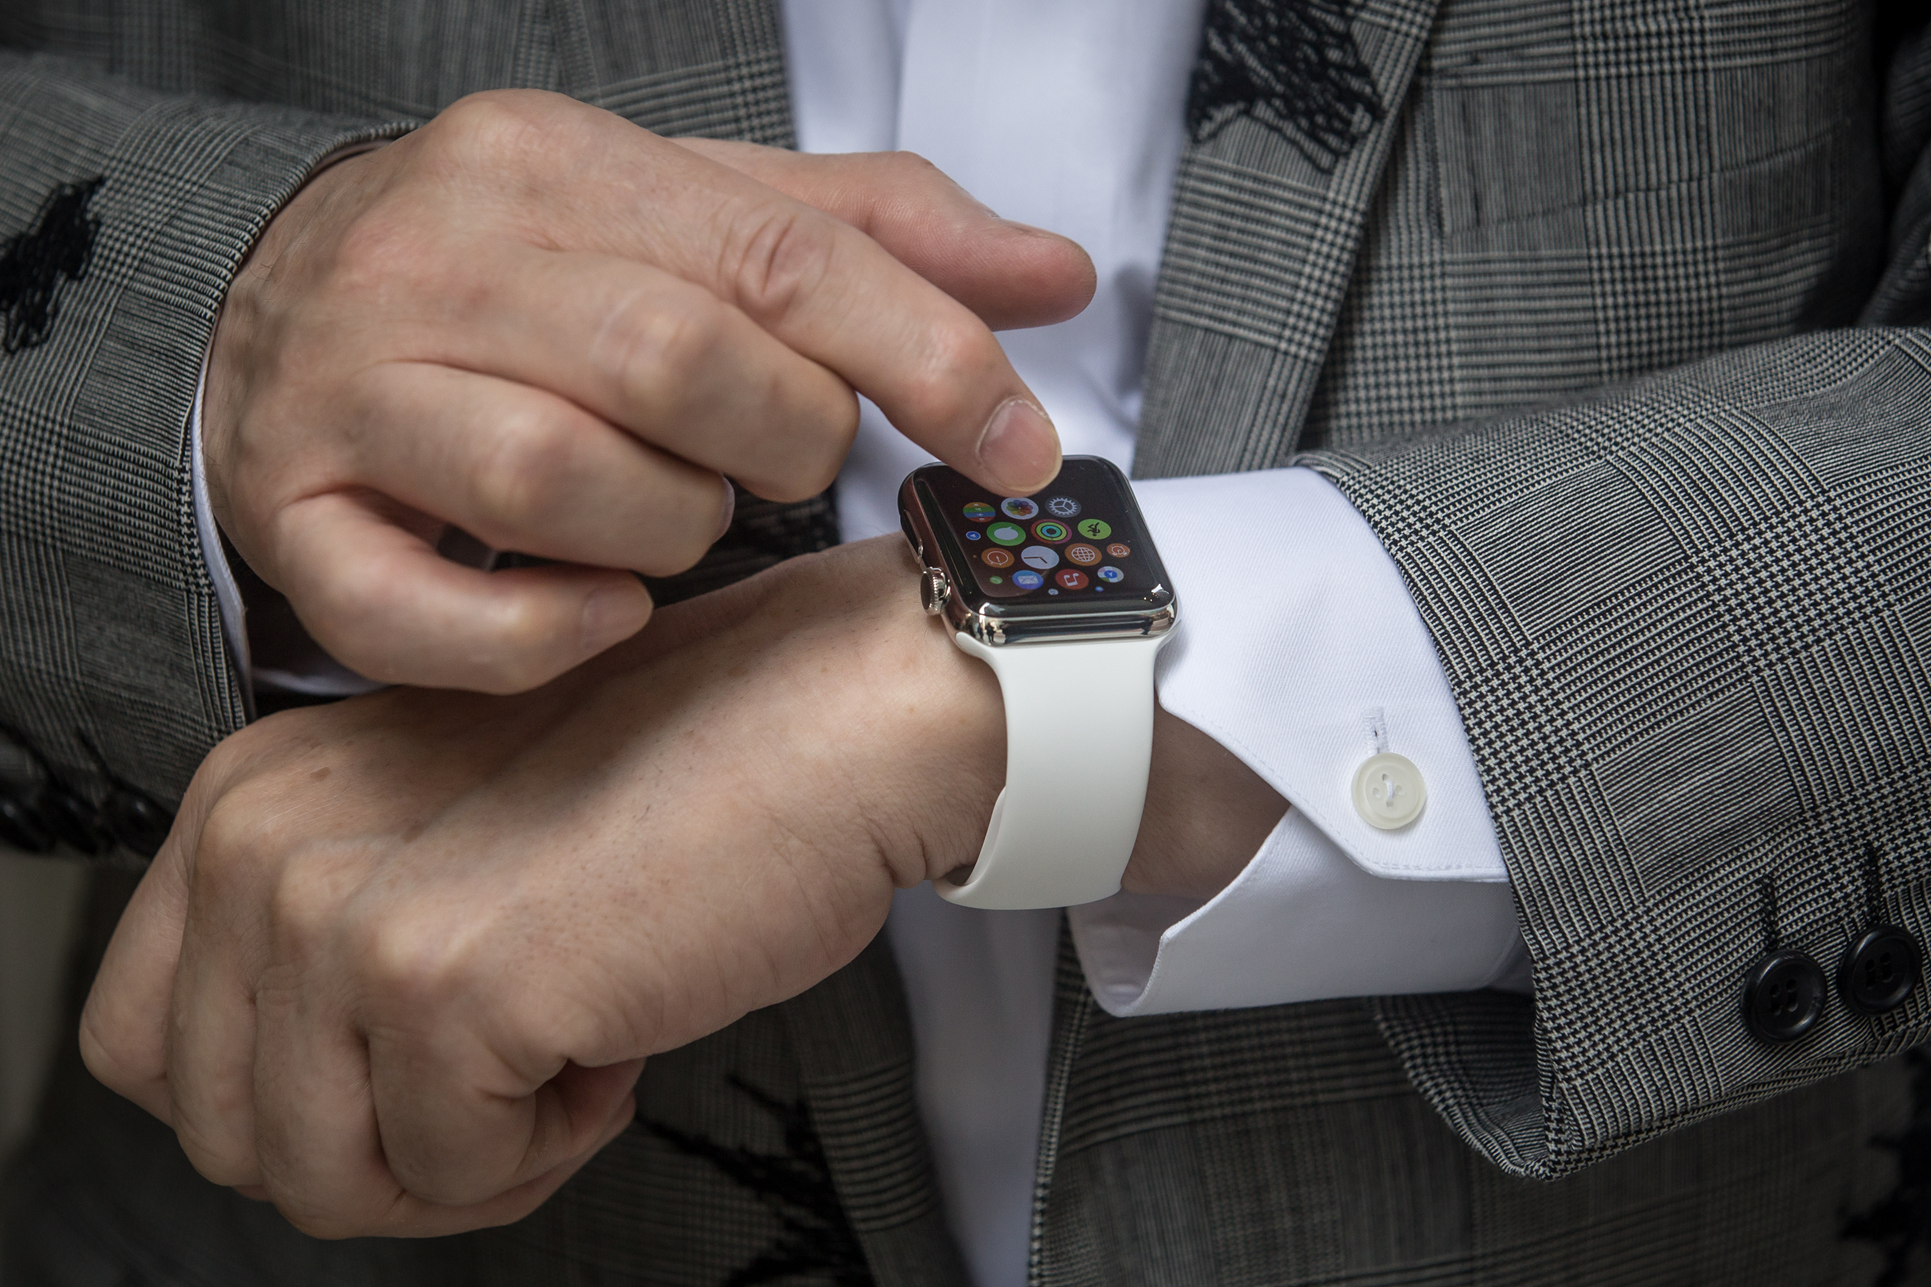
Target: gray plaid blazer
1607,314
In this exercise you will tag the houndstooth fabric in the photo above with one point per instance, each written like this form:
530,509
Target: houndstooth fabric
1686,617
1634,254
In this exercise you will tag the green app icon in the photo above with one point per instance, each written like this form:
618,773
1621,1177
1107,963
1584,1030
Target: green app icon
1007,533
1094,529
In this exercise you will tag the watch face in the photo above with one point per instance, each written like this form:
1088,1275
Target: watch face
1078,546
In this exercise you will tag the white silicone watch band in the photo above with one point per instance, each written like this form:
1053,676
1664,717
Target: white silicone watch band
1079,737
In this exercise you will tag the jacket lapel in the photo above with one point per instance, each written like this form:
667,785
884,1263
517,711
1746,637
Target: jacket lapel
1294,107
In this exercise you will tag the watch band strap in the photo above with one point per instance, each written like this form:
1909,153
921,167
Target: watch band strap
1079,739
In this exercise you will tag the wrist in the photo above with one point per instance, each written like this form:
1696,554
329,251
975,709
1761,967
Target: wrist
246,314
1207,814
893,740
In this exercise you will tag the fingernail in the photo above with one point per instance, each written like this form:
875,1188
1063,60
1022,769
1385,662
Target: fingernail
613,613
730,508
1019,447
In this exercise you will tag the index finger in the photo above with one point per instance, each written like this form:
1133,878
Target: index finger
819,285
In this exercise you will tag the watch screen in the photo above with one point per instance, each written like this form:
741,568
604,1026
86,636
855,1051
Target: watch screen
1078,540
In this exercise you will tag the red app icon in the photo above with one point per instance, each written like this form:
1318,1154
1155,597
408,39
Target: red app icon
997,558
1084,555
1118,550
1070,579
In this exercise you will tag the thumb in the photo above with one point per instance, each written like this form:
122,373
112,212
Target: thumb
1011,274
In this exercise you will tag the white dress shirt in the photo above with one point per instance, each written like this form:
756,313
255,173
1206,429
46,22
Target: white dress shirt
1299,648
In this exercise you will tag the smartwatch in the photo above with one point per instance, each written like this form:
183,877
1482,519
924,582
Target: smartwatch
1063,595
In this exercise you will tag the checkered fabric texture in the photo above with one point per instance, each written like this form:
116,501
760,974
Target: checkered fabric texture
1654,263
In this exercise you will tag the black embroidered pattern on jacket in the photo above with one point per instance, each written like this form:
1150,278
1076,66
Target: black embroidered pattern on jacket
1291,65
795,1186
35,263
1900,1225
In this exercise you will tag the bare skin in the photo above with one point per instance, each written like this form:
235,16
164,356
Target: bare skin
556,330
342,984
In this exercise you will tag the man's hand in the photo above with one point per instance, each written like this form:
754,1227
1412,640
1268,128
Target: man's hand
555,330
399,963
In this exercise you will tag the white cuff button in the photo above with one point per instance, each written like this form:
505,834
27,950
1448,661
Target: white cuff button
1388,792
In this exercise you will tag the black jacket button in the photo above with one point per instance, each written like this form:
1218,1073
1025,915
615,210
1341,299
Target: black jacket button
1783,994
137,821
22,826
1880,970
73,819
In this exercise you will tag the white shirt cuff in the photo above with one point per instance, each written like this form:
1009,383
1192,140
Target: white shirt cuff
1301,651
233,616
317,673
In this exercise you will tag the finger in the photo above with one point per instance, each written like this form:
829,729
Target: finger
1010,274
211,1053
323,1151
460,1124
381,601
522,469
124,1026
667,361
819,285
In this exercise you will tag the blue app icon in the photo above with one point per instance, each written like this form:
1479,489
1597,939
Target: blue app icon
972,536
1027,580
1110,573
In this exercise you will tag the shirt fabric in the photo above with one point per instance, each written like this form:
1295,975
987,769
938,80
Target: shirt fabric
1298,647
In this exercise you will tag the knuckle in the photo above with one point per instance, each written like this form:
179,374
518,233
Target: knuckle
687,521
411,966
110,1056
236,841
776,257
514,476
656,342
909,168
305,911
958,351
488,129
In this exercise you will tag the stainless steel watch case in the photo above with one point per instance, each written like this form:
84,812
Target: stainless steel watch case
946,582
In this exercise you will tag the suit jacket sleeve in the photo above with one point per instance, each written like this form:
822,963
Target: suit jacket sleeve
1688,625
124,214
